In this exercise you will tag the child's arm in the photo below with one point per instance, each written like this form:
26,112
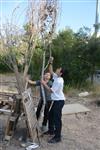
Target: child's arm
30,81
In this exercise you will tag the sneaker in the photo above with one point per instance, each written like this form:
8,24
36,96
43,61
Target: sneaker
54,140
23,144
33,146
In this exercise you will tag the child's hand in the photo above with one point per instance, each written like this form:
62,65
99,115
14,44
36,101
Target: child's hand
43,82
27,79
51,60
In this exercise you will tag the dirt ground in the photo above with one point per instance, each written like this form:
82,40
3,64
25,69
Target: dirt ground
79,132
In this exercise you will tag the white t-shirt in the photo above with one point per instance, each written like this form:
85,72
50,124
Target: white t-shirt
57,88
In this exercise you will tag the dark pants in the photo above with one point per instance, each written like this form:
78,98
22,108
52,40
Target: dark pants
39,107
46,111
55,115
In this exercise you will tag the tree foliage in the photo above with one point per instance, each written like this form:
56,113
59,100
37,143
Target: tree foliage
78,53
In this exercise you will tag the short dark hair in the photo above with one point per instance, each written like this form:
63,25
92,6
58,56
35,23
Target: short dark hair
62,71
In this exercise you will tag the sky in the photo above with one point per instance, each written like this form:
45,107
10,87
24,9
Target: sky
72,13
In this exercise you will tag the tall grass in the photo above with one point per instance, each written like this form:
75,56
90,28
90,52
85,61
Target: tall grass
74,90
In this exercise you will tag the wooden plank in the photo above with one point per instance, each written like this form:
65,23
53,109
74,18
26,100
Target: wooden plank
10,126
74,109
6,91
5,107
30,112
7,82
6,112
7,138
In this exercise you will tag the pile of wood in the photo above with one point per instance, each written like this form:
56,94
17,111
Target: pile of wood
6,103
14,105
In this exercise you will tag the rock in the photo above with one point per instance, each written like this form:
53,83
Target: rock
83,94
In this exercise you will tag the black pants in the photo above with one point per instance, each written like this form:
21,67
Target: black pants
39,107
46,111
55,115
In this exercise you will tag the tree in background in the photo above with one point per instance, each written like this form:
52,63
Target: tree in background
76,52
40,25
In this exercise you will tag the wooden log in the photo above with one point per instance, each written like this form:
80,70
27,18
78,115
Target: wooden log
6,112
11,126
5,107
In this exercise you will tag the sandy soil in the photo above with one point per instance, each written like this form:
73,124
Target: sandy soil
79,132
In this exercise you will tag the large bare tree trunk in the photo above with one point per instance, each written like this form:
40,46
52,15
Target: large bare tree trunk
19,80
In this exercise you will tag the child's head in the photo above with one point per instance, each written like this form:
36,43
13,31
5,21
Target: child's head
47,76
59,71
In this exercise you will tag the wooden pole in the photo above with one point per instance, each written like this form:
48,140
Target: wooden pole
97,24
42,73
